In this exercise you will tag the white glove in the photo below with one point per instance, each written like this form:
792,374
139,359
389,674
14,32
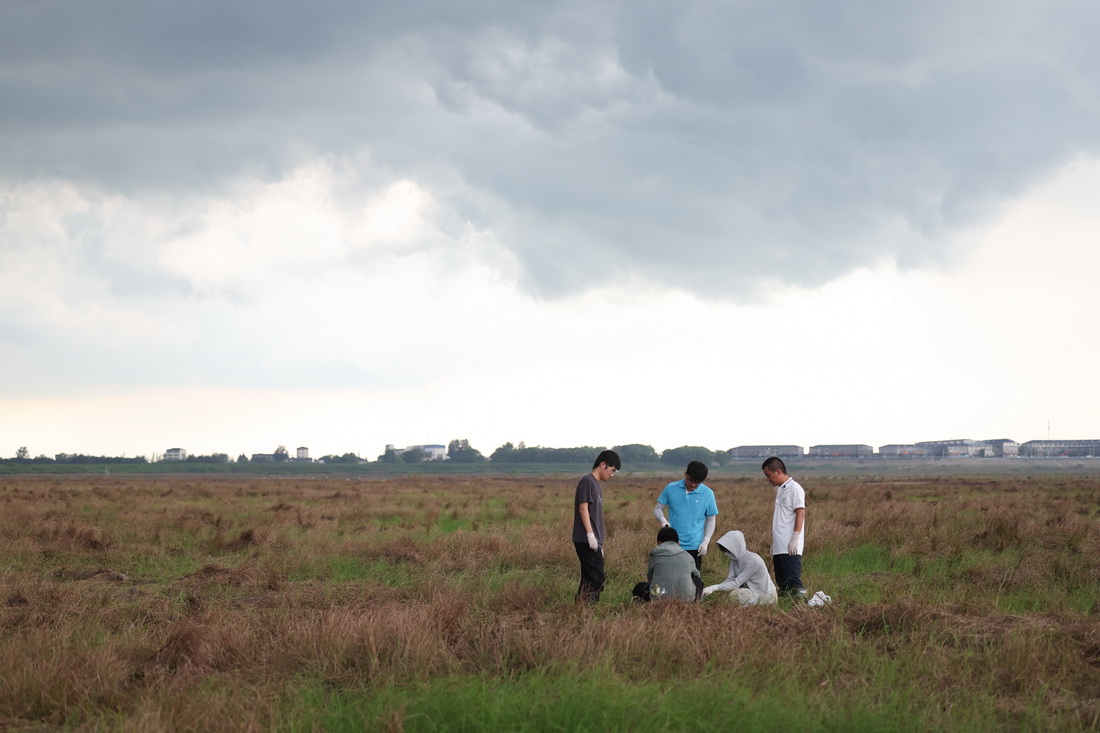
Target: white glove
792,546
664,523
592,543
703,548
708,590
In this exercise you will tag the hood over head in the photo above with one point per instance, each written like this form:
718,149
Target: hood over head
733,544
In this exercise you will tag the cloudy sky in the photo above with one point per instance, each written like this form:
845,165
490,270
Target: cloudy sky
230,226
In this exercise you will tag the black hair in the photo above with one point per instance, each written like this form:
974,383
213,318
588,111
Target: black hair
697,471
774,463
668,534
610,457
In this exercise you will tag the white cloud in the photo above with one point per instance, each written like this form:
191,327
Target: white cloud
994,347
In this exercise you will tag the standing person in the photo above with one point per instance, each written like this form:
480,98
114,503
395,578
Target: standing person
588,528
691,511
788,527
672,572
748,580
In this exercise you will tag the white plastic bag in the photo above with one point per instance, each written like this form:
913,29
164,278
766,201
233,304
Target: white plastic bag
819,599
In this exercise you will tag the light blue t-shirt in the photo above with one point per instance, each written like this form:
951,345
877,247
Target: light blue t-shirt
688,511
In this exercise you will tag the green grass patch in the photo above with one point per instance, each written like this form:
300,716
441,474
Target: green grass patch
160,567
862,559
1084,600
564,701
343,568
1024,602
447,524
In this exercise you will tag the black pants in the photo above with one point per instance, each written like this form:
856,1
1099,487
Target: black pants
788,573
698,559
592,573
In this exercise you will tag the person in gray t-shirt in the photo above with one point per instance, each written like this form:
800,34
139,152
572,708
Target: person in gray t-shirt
588,528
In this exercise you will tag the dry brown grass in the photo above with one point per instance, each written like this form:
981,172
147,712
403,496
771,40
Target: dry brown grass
169,603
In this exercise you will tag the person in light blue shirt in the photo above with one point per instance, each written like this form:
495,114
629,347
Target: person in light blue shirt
691,510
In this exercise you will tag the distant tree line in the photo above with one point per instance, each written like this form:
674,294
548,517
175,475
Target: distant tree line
633,453
458,450
80,458
212,458
346,458
23,456
509,453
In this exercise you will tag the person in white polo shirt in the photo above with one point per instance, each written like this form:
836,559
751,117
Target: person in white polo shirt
788,528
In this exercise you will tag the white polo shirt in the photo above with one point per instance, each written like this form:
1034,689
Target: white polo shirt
788,497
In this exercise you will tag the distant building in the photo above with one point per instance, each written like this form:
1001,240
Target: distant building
957,448
302,456
1060,448
263,457
760,452
432,452
900,450
1004,448
175,454
841,451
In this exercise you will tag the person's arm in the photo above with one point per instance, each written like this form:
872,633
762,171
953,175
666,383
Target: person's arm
582,510
708,532
731,582
659,512
799,523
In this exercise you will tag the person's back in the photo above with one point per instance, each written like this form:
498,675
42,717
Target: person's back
671,568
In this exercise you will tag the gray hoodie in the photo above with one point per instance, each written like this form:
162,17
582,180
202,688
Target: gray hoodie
671,568
746,568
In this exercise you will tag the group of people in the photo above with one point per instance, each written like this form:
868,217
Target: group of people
675,564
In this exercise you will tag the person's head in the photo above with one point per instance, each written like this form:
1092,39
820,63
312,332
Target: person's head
732,544
775,470
695,474
607,464
667,534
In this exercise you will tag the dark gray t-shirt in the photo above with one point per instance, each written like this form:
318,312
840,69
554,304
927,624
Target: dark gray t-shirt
588,492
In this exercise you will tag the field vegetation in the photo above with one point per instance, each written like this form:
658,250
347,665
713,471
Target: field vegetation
433,603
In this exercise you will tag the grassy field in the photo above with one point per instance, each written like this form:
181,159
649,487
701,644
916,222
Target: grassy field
433,603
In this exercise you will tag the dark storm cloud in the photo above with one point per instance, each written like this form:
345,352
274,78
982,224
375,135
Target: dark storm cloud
698,144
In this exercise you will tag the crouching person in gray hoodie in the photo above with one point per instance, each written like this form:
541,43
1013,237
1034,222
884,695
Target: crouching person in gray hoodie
672,572
748,582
